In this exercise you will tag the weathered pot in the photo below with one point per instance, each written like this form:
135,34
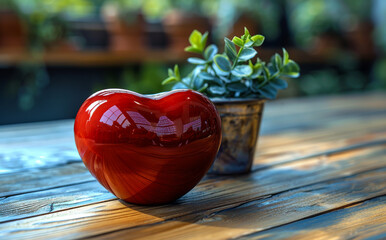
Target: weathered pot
240,123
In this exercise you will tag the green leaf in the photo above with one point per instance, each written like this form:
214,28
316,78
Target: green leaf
278,62
195,39
257,70
218,71
210,78
237,87
257,83
268,91
246,32
285,57
247,53
192,49
222,63
278,83
210,51
169,80
203,88
249,43
177,72
214,81
230,49
258,40
238,41
197,61
225,79
272,68
217,90
203,41
266,72
250,64
198,82
206,76
291,69
179,85
170,72
242,71
248,83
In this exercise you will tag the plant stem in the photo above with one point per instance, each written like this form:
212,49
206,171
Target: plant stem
235,62
237,58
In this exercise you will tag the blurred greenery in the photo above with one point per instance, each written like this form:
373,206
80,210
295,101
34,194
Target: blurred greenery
379,74
309,18
331,28
47,18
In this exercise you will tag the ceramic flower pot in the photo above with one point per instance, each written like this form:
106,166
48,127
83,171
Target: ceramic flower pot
240,123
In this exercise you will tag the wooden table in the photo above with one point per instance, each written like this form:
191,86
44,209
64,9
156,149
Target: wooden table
320,172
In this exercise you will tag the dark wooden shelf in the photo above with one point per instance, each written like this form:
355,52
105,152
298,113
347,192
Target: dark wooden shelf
92,58
110,58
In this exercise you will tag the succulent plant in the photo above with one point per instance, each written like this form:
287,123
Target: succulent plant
234,73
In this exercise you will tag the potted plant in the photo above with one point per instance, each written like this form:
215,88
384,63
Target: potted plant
238,84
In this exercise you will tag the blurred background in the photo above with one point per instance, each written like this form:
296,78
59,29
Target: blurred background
55,53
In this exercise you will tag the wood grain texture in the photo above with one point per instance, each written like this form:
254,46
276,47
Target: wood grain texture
59,197
216,193
52,200
272,150
319,161
42,179
365,220
25,146
261,214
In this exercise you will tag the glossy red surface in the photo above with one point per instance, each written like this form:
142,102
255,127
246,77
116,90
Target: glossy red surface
147,149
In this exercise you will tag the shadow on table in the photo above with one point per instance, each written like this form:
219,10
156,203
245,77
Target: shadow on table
258,200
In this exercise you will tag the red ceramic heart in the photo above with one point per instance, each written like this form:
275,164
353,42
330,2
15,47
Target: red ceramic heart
148,149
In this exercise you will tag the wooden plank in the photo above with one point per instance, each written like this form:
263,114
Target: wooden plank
33,180
325,104
365,220
212,194
46,144
42,179
285,114
52,200
47,151
284,148
327,140
314,108
40,202
36,145
25,130
324,133
26,146
258,215
311,121
272,150
52,154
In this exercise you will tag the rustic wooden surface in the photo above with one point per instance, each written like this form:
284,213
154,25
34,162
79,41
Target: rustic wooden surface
319,173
